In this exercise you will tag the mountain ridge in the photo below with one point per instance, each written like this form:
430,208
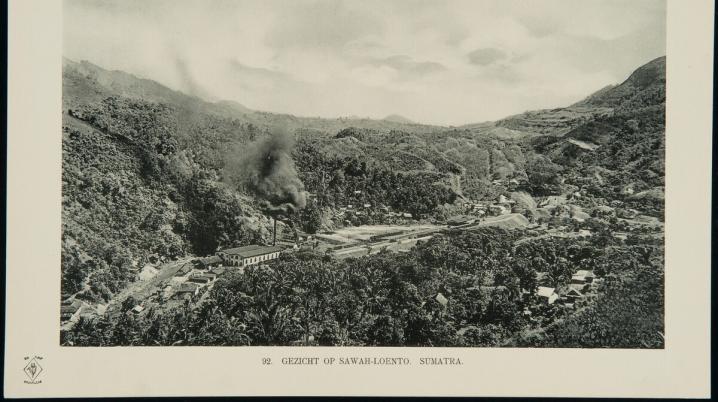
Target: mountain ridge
84,81
556,121
647,81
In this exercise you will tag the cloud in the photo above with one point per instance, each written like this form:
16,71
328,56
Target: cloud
445,62
189,83
257,78
405,64
327,24
539,27
504,74
486,56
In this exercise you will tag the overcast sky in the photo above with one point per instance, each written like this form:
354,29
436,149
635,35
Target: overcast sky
439,62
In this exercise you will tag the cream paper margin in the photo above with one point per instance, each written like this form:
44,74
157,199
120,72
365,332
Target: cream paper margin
33,257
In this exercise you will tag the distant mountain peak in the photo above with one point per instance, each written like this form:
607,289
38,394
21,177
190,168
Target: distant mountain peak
649,73
398,119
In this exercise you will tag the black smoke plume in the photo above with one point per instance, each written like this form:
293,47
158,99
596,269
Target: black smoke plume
265,168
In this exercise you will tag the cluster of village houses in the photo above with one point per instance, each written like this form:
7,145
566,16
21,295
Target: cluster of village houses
71,310
576,291
367,209
501,206
581,282
364,208
187,281
191,278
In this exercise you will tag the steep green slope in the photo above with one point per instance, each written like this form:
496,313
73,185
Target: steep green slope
628,146
643,87
131,189
461,160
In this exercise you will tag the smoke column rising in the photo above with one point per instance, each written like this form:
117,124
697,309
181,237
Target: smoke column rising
266,169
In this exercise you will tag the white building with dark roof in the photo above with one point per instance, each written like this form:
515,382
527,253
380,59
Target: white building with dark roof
547,294
136,310
573,294
582,277
249,255
461,220
71,310
188,289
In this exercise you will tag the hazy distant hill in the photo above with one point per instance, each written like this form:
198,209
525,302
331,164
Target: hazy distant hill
398,119
84,82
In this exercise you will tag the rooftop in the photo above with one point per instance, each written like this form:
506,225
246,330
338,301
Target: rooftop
74,303
458,219
574,291
69,309
252,251
544,291
210,260
188,287
184,270
441,299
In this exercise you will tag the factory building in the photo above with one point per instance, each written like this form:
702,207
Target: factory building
248,255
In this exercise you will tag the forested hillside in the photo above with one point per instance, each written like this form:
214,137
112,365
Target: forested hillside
646,86
462,289
444,164
143,172
132,188
145,178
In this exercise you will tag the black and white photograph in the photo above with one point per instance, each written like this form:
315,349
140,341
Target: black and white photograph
419,173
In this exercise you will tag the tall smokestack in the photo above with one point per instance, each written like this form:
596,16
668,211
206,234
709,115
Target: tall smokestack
274,240
265,168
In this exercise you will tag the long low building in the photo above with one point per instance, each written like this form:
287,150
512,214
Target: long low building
461,220
249,255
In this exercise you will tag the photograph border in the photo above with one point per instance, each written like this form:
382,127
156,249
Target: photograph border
682,369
